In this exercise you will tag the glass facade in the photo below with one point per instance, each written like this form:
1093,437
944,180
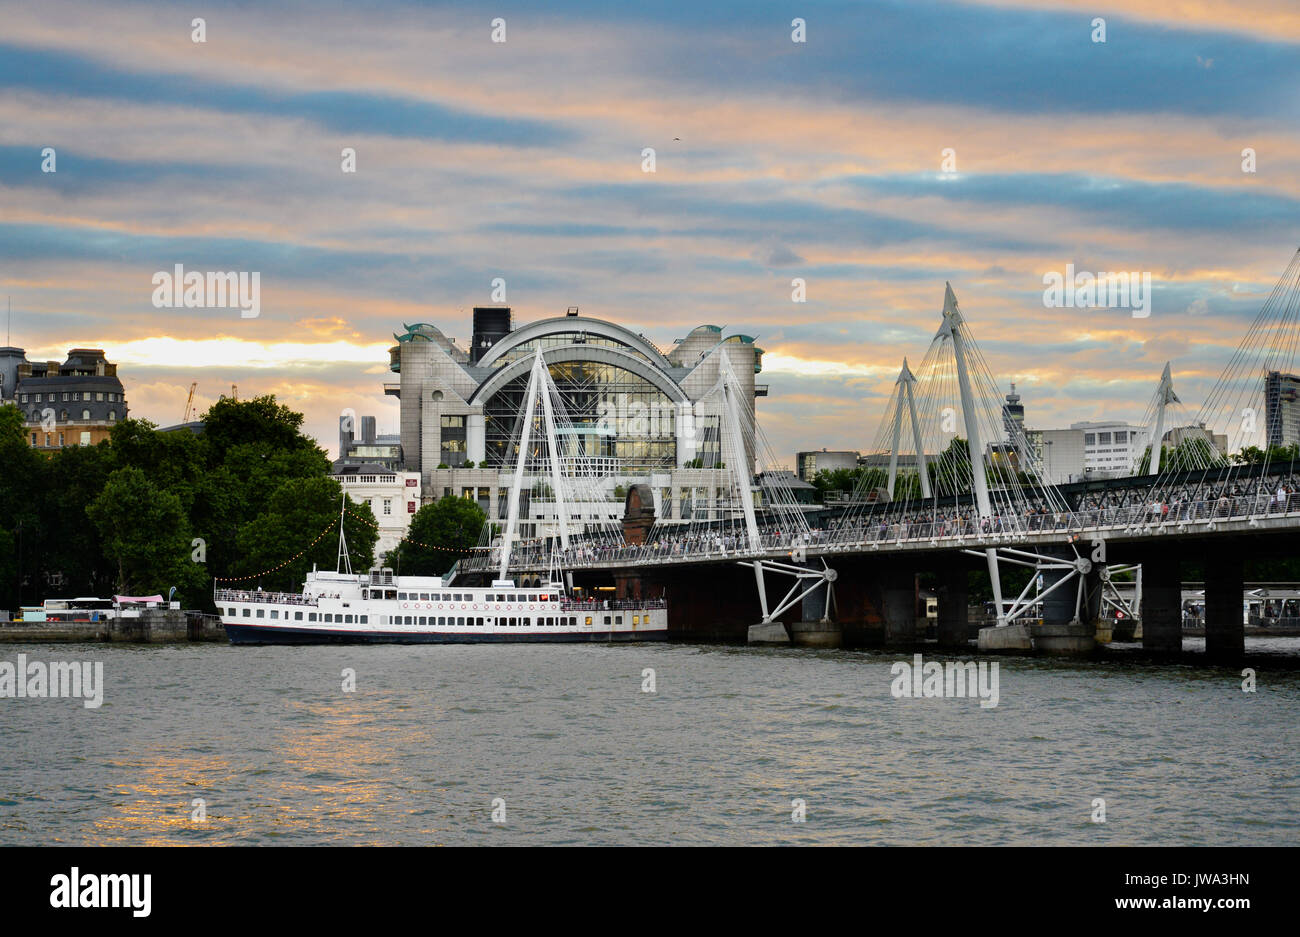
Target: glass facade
556,339
615,414
453,441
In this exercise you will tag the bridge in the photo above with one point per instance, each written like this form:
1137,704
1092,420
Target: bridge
965,488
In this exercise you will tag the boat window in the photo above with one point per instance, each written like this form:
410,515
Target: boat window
347,620
364,619
636,619
365,593
479,622
231,611
297,616
460,621
588,619
246,613
424,596
311,616
261,613
607,619
618,619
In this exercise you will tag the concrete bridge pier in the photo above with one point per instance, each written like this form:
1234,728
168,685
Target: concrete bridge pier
954,607
1069,622
1225,631
898,606
1162,604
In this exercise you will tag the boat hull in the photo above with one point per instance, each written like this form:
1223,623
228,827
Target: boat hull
259,634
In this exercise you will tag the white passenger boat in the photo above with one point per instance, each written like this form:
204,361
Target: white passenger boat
380,608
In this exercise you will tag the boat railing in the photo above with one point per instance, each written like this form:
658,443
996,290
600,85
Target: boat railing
619,605
265,598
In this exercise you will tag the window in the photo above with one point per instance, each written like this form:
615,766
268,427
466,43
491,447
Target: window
38,398
588,619
261,613
100,396
311,616
85,414
388,505
364,619
636,619
297,616
112,416
607,617
246,613
60,440
33,439
275,613
1090,439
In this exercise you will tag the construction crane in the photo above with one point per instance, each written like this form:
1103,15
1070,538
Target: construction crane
189,404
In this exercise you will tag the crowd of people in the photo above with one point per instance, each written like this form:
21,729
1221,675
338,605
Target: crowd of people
888,522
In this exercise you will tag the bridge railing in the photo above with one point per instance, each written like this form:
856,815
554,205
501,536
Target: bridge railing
877,532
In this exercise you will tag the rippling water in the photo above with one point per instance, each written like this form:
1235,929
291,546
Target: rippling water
565,735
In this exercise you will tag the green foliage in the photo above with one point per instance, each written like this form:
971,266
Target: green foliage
121,516
1194,452
296,514
1254,455
230,423
145,534
451,523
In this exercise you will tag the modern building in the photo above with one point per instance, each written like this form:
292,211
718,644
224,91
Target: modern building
777,484
368,448
1111,448
635,410
393,496
1282,408
1059,453
74,403
808,464
1179,434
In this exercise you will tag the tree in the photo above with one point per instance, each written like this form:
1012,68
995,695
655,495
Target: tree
23,481
146,536
452,524
229,423
299,531
1194,452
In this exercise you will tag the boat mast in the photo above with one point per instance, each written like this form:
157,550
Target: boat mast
344,558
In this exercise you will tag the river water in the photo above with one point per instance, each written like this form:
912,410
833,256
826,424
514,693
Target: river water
566,741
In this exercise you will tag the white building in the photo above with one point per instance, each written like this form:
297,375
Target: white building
1111,448
394,497
1059,453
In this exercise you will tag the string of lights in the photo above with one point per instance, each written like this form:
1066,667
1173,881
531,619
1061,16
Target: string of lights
273,569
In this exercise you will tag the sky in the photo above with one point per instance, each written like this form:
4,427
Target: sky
522,159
